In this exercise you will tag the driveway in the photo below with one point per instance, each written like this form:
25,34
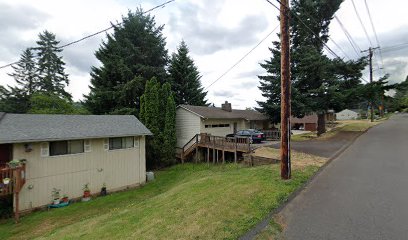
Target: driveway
323,148
363,194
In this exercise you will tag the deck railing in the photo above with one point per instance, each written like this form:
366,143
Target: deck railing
11,179
272,134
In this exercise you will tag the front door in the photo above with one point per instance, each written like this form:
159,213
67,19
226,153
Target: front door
6,154
235,127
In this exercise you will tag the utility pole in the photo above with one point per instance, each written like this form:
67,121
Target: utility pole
285,91
370,63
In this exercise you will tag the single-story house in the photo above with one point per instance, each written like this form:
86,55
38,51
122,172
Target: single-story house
192,120
68,151
348,114
307,123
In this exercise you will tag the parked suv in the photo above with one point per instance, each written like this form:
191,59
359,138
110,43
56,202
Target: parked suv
255,136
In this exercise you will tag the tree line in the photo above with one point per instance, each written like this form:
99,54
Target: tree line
319,83
136,76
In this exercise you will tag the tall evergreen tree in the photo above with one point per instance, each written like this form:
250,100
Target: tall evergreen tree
133,54
17,99
318,82
169,137
51,70
150,118
185,78
25,73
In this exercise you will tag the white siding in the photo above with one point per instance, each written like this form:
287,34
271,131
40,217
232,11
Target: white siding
223,131
117,168
187,126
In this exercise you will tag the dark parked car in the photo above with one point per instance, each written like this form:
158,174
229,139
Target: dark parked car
256,136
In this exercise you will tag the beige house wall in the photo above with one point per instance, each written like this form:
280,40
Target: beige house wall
187,126
118,169
223,131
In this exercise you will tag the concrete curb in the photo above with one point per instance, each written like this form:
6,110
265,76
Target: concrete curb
252,233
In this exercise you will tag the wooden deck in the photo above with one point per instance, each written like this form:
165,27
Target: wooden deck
16,177
214,143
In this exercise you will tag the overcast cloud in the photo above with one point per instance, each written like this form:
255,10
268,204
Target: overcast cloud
218,33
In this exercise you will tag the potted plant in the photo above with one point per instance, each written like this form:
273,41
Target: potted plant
103,190
87,193
16,163
65,198
56,196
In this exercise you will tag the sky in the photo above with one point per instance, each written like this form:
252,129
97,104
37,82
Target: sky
217,32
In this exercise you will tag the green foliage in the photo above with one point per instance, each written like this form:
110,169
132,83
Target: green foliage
134,53
13,100
25,73
185,78
51,71
318,82
169,137
158,113
53,104
401,95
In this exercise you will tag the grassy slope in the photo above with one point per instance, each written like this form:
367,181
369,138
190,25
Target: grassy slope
184,202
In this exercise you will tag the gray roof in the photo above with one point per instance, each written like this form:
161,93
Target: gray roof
218,113
46,127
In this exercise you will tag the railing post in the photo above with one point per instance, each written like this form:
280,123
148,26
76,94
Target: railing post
235,152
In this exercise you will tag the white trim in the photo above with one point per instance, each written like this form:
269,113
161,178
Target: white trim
45,149
87,146
106,144
188,110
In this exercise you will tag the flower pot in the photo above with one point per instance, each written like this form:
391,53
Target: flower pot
87,194
56,201
103,191
6,181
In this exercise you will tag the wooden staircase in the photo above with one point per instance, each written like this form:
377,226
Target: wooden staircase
216,143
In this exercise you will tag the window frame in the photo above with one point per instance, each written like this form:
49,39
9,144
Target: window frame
123,143
67,151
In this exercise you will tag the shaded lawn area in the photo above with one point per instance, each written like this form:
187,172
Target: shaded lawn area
190,201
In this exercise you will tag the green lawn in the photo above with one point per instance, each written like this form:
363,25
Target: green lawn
184,202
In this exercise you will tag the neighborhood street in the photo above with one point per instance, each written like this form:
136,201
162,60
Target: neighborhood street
363,194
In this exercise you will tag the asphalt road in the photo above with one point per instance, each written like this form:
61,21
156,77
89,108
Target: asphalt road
363,194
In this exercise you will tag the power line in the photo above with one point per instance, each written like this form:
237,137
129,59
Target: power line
94,34
318,37
353,44
361,22
243,57
375,32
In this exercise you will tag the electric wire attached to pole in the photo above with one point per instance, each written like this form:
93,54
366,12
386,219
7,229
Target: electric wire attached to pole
97,33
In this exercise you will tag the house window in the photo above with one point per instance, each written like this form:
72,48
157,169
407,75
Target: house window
66,147
121,143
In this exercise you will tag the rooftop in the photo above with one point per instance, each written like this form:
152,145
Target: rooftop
46,127
219,113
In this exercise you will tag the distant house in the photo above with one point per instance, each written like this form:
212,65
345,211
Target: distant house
347,114
307,123
68,151
192,120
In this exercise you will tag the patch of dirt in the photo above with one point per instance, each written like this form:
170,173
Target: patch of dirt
300,160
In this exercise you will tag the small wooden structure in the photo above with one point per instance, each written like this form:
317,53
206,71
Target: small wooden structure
216,144
17,180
